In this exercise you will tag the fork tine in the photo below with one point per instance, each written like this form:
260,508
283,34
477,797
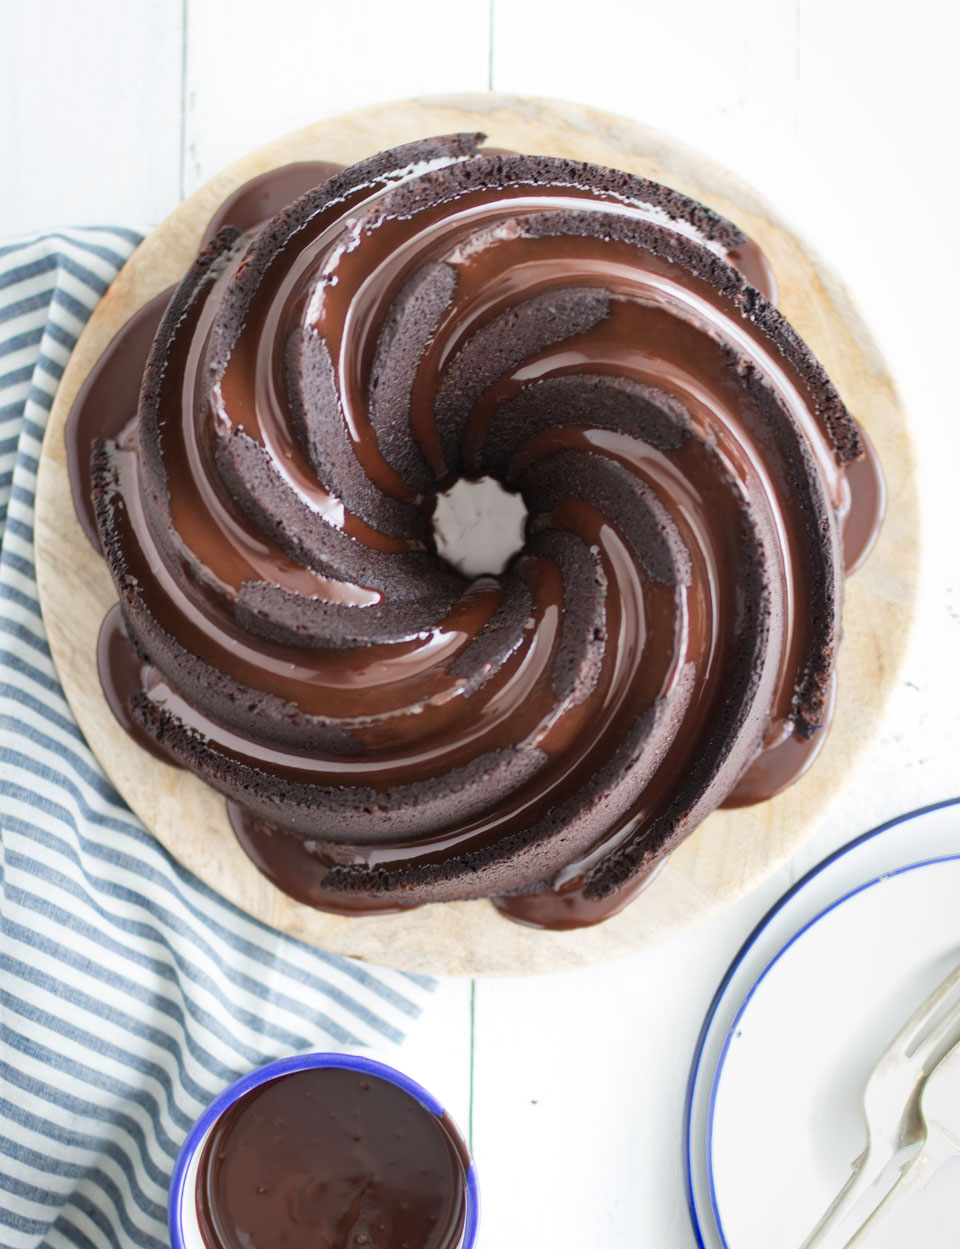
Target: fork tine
926,1024
917,1035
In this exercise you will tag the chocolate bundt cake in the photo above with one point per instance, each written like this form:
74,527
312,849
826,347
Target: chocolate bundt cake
387,731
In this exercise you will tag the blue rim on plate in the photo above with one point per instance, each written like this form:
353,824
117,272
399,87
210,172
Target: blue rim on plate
284,1066
718,997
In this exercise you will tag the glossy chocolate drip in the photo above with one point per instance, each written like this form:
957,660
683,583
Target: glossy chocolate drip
300,868
755,267
561,910
865,507
107,401
254,203
784,757
122,675
391,732
334,1158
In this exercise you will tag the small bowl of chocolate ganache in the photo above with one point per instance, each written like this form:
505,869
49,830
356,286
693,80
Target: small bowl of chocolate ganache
324,1151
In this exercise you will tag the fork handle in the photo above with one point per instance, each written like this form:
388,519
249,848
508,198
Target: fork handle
937,1149
865,1171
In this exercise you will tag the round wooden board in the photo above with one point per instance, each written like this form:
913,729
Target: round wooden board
732,851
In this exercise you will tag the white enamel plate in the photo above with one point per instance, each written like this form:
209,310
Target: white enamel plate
809,1004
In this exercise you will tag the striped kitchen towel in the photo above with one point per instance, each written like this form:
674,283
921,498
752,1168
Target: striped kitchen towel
129,992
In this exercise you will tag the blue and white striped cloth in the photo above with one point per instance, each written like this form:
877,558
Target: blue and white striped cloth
130,993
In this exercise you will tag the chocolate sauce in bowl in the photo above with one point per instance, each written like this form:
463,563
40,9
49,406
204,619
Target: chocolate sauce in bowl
331,1158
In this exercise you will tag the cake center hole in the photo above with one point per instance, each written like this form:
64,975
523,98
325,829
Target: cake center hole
478,526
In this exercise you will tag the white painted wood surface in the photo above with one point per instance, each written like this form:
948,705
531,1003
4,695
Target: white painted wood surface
843,114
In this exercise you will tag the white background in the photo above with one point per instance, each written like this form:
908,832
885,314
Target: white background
843,113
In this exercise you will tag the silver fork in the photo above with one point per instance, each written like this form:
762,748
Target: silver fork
891,1103
940,1112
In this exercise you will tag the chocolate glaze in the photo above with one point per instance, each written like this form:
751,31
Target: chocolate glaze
864,507
122,674
334,1158
693,484
299,867
784,757
755,267
571,906
107,401
254,203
